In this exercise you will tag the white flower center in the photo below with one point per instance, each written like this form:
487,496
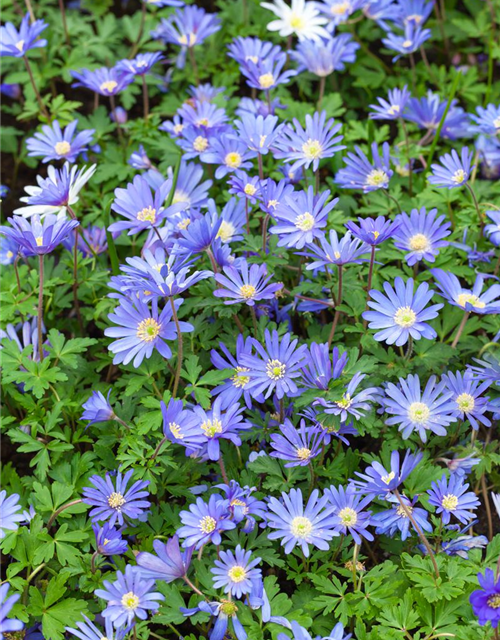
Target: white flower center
388,478
297,22
304,222
211,427
130,601
200,143
207,524
496,123
20,46
312,149
148,214
275,369
465,402
303,453
148,330
247,291
62,148
376,178
250,189
345,402
301,527
233,159
419,242
266,80
449,502
109,86
405,317
348,516
187,40
407,44
463,298
240,381
116,501
393,109
176,431
237,573
226,231
459,176
402,513
419,412
39,241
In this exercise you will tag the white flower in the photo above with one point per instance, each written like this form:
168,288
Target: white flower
301,19
77,177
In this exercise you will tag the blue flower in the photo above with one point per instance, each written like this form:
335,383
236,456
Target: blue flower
235,387
452,499
335,430
487,120
297,446
409,42
295,524
378,481
16,43
97,408
396,518
88,631
129,597
461,466
351,403
29,336
273,193
247,283
141,64
187,27
229,152
36,236
205,117
11,90
470,300
326,56
224,611
427,113
9,250
309,145
108,540
393,107
181,426
204,522
486,600
373,231
242,505
301,218
8,626
463,544
139,159
244,186
10,513
268,73
104,81
416,11
413,410
334,251
275,367
467,396
142,329
318,371
168,564
258,133
359,173
454,170
235,572
350,517
244,49
113,501
402,313
421,234
492,231
54,144
339,11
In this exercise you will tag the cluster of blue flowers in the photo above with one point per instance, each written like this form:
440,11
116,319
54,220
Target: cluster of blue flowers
273,171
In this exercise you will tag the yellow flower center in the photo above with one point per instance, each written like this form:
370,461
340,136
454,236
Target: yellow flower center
301,527
109,86
187,41
402,513
419,242
415,17
20,46
176,431
272,204
345,402
376,178
340,9
184,224
211,427
200,143
275,369
450,502
240,381
148,329
312,149
178,128
463,298
496,123
303,453
388,478
62,148
297,22
405,317
203,122
247,291
407,44
10,254
375,234
266,80
459,176
419,412
233,159
116,501
465,402
148,214
226,231
237,573
180,196
228,608
304,222
262,141
393,109
250,189
348,516
494,601
130,601
254,59
39,241
207,524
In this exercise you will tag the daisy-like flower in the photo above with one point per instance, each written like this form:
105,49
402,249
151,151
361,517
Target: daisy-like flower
97,408
416,11
492,230
433,410
301,18
393,107
470,300
10,513
204,522
242,505
244,49
402,312
325,56
350,516
301,218
215,424
142,208
56,192
108,540
168,564
113,501
181,426
187,27
299,633
333,430
467,395
486,600
268,73
8,626
204,116
378,481
247,284
200,234
142,329
141,64
319,370
454,170
235,572
53,144
224,611
339,11
395,519
409,42
235,387
104,81
452,499
427,113
334,251
421,234
229,153
359,173
258,133
16,43
297,446
244,186
487,120
88,631
38,237
275,367
129,597
309,145
351,403
373,231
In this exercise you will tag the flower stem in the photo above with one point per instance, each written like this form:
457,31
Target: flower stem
261,166
370,275
419,531
189,583
254,321
158,448
407,142
43,108
337,312
192,58
30,10
321,91
223,469
354,563
264,233
65,24
460,329
312,478
145,97
135,46
92,561
179,348
476,205
40,307
61,509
